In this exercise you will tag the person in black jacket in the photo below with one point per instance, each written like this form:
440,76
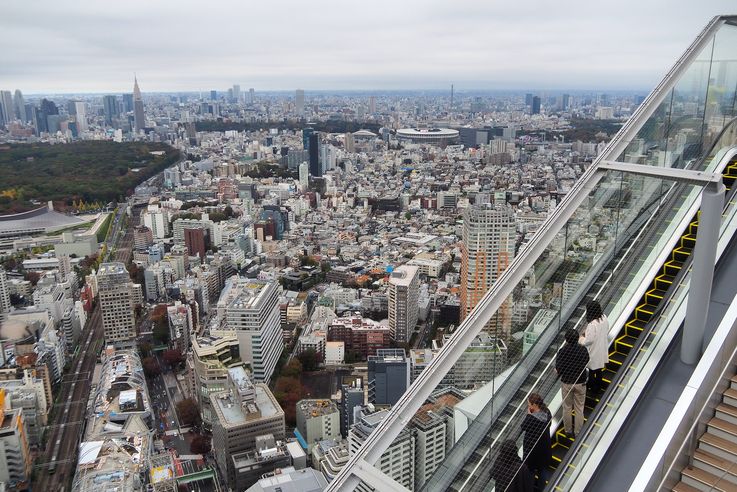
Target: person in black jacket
508,471
571,363
536,446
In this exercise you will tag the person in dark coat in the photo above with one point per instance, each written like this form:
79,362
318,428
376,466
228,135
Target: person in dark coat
571,363
508,471
536,446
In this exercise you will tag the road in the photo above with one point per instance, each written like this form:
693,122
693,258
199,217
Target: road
56,465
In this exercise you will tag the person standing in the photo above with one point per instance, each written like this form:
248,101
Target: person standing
596,341
571,363
536,447
509,473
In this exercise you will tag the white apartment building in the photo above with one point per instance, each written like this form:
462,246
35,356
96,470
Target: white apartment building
404,290
117,294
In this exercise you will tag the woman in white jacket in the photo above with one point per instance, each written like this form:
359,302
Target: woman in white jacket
595,339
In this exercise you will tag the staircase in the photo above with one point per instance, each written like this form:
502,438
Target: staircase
715,459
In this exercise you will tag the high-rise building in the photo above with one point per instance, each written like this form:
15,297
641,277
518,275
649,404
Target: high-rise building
110,108
304,175
388,376
535,108
404,293
489,234
7,108
4,293
116,302
317,420
299,102
236,93
251,310
20,105
372,104
213,95
139,117
398,461
314,152
565,101
80,114
251,96
196,240
127,102
528,99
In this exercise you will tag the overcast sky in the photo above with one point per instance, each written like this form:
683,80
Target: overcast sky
53,46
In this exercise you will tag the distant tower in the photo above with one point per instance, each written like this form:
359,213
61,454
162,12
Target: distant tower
304,175
489,235
450,111
139,116
372,104
110,107
535,105
299,101
20,105
251,95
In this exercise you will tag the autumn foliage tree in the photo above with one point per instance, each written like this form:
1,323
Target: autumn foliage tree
150,367
200,445
288,391
189,412
172,357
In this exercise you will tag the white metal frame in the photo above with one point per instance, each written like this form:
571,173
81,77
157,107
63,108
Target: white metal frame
400,415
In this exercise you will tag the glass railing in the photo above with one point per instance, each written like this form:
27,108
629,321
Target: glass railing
644,359
613,239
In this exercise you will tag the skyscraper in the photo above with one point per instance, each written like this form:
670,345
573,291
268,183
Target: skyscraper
236,93
110,107
299,101
20,105
213,95
139,116
251,96
304,175
489,234
7,110
535,109
314,149
80,112
404,293
116,302
372,104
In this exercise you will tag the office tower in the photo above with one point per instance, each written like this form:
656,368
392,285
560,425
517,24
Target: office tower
116,302
213,95
110,108
251,96
127,103
535,109
372,104
80,113
139,118
4,293
317,420
304,175
404,293
20,105
299,102
306,132
237,93
528,99
351,397
314,152
350,142
388,376
7,109
241,413
251,310
565,101
489,234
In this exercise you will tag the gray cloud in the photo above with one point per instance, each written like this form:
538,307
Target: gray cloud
93,46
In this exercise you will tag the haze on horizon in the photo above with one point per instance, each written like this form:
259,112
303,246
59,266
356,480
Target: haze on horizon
88,46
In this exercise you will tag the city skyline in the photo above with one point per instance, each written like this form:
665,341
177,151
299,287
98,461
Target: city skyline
388,47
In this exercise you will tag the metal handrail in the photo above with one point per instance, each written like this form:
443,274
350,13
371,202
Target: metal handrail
635,352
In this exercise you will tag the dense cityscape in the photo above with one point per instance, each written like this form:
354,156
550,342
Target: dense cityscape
239,288
279,286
